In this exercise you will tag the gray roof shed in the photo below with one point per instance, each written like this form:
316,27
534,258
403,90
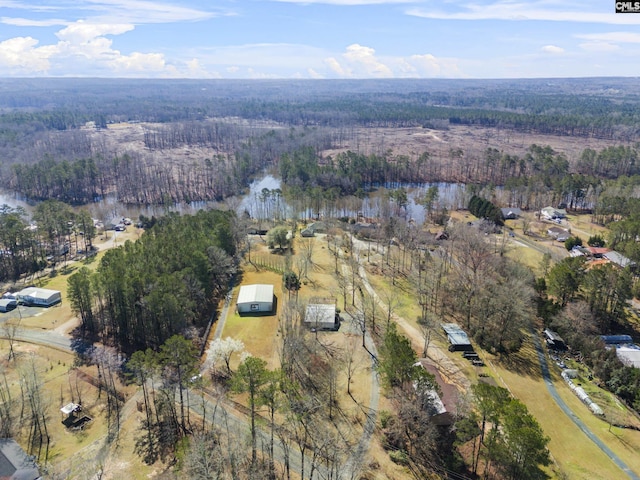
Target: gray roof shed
456,335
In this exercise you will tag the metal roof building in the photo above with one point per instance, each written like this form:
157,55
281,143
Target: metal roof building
616,339
41,297
619,259
321,316
457,337
257,298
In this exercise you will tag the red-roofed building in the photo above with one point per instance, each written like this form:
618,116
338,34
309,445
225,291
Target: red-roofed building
597,252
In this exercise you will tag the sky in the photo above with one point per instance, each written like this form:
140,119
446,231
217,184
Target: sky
354,39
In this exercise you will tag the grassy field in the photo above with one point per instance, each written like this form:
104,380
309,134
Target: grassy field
574,454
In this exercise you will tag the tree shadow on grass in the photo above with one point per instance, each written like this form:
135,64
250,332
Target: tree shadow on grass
523,362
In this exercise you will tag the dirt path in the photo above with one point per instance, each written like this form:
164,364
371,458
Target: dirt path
447,368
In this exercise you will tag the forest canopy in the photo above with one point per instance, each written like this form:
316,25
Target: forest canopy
166,283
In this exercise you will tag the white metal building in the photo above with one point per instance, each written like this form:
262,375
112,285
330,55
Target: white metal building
40,297
256,298
321,316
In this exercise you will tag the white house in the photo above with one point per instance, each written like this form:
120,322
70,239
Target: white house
321,316
40,297
256,298
551,213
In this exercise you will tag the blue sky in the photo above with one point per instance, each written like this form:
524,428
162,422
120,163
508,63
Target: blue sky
317,39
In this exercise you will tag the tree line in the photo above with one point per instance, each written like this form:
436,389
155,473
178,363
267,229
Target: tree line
27,248
167,282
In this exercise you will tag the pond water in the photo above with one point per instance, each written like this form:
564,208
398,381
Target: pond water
265,200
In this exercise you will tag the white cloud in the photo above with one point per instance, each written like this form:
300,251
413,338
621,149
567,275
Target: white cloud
81,32
335,67
20,55
28,22
114,11
615,37
349,2
361,62
553,49
83,50
142,11
599,47
138,62
313,74
429,66
541,10
253,74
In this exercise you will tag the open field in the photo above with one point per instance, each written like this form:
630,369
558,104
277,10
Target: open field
573,453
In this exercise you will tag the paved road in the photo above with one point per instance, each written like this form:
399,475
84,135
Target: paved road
565,408
43,337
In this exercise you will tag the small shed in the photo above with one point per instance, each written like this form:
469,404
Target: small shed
15,463
257,299
307,232
511,213
554,341
458,339
7,304
322,316
597,252
39,297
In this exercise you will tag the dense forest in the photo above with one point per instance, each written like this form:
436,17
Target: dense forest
166,283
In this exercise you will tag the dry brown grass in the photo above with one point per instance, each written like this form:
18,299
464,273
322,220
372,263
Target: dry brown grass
60,385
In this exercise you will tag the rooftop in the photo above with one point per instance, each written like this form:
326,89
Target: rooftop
255,293
456,335
320,313
14,462
36,292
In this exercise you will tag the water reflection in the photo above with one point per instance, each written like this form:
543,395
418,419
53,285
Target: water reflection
265,200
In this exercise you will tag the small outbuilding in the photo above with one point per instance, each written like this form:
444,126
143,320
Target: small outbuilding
15,464
458,338
322,316
38,297
7,304
511,213
307,232
256,299
554,341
